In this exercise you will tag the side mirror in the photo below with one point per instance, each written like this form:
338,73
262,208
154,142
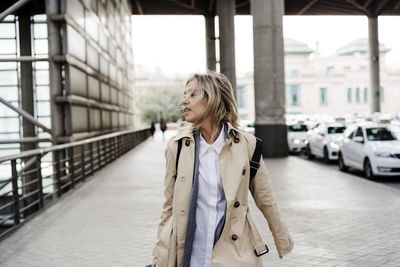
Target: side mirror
359,139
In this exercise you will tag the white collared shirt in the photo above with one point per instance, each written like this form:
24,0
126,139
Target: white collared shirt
211,203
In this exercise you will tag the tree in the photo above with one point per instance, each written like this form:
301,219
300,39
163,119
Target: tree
157,102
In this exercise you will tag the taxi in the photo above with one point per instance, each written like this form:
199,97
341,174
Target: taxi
372,148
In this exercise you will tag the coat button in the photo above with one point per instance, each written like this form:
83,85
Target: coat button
234,237
237,204
244,172
187,143
236,140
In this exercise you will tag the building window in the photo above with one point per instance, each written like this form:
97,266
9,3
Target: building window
349,95
292,95
347,67
382,94
323,96
365,95
363,67
292,74
358,95
240,96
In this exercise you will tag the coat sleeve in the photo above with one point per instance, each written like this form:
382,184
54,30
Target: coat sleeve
165,225
264,196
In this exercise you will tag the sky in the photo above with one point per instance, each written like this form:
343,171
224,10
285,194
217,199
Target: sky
176,44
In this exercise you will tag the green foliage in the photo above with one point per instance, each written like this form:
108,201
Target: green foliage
157,102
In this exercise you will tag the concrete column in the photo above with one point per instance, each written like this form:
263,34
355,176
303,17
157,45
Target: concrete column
373,42
27,101
210,43
54,41
269,78
226,13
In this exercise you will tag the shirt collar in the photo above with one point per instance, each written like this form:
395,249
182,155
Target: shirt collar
217,145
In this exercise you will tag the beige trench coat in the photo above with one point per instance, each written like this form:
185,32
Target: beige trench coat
234,167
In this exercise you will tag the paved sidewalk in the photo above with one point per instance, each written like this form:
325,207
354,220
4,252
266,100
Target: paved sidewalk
336,219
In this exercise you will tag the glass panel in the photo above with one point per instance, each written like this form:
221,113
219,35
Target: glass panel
7,112
77,81
94,91
105,92
40,18
43,108
41,47
47,122
76,43
8,78
42,77
76,10
7,30
9,124
42,93
8,46
40,30
95,119
8,65
41,65
93,57
79,119
9,93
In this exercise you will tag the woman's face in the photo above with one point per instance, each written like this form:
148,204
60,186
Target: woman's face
194,103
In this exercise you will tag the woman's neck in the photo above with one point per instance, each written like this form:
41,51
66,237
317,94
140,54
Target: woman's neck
206,130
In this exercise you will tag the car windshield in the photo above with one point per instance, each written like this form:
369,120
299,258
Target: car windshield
297,128
336,130
380,134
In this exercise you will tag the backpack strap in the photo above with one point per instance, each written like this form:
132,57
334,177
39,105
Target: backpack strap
254,162
178,153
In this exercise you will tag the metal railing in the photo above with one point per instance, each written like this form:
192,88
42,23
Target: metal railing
41,176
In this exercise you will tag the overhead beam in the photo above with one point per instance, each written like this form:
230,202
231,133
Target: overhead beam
397,6
179,3
139,7
307,7
244,3
381,5
192,4
210,5
354,3
366,4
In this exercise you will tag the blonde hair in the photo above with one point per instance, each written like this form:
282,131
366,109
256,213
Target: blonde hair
221,104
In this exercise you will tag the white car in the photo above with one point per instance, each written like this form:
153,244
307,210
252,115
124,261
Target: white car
297,137
372,148
323,141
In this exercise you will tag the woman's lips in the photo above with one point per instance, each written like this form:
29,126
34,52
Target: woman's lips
186,110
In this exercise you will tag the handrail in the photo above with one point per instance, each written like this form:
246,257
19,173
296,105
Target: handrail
42,151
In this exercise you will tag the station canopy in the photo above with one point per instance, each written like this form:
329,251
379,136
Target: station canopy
208,7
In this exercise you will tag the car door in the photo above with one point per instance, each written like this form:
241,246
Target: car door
358,149
319,141
346,147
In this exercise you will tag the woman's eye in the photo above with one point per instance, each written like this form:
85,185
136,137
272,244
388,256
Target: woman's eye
192,94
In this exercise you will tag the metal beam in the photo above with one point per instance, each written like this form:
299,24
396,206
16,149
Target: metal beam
25,115
139,7
359,6
397,6
366,4
13,8
307,7
381,5
24,59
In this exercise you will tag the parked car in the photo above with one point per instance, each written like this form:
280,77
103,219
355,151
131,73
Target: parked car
297,137
372,148
323,141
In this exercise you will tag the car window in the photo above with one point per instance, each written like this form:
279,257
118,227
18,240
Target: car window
380,134
297,128
359,132
349,132
336,129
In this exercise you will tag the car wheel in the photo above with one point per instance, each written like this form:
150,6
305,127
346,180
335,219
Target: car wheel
342,166
308,152
326,155
368,173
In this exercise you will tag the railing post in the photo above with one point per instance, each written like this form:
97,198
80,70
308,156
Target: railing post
83,162
40,181
58,172
98,154
15,191
91,158
71,165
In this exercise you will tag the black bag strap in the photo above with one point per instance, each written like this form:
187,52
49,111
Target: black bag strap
178,153
254,162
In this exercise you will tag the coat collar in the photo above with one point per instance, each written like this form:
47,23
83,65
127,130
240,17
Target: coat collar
187,131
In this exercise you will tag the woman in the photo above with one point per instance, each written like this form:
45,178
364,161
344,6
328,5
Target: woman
205,219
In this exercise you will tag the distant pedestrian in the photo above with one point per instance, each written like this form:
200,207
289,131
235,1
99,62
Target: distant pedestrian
152,129
163,128
205,219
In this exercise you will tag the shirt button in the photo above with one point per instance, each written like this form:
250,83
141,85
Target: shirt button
237,204
236,140
234,237
244,172
187,143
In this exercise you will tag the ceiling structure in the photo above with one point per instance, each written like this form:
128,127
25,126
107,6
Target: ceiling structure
292,7
207,7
